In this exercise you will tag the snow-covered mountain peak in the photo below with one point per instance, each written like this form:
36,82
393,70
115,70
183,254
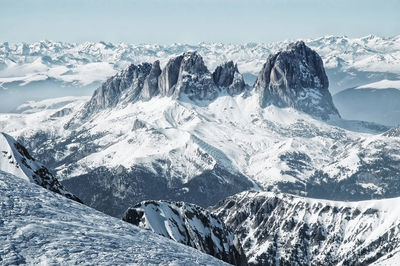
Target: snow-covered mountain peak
184,77
16,160
187,76
296,77
393,132
78,69
383,84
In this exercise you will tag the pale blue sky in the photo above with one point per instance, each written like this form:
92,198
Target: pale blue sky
193,21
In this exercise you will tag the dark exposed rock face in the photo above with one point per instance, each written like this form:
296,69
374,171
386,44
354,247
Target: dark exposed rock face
228,76
281,229
101,188
296,78
188,224
184,77
169,76
150,87
123,87
187,75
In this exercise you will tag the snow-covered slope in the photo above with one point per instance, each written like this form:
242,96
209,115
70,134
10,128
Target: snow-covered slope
166,149
118,150
375,102
280,229
40,227
188,224
16,160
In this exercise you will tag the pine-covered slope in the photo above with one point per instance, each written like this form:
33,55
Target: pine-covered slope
281,229
41,227
190,225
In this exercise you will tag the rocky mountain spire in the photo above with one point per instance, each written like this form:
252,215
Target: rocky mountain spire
187,75
169,76
228,76
125,86
183,77
296,78
150,87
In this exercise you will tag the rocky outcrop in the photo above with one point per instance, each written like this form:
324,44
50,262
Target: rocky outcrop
183,77
188,224
281,229
150,87
123,87
296,78
16,160
169,76
187,76
291,78
228,76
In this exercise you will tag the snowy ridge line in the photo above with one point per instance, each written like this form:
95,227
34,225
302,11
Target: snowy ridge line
383,84
311,231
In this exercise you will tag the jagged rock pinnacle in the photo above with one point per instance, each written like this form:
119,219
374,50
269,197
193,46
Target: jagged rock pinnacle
296,78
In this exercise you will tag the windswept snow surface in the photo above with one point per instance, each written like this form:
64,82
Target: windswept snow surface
41,227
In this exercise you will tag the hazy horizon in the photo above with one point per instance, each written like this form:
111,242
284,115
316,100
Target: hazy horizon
196,21
198,43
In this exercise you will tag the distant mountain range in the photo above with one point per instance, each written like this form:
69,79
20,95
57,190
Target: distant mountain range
63,69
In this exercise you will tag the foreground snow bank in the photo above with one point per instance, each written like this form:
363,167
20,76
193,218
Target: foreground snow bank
38,226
